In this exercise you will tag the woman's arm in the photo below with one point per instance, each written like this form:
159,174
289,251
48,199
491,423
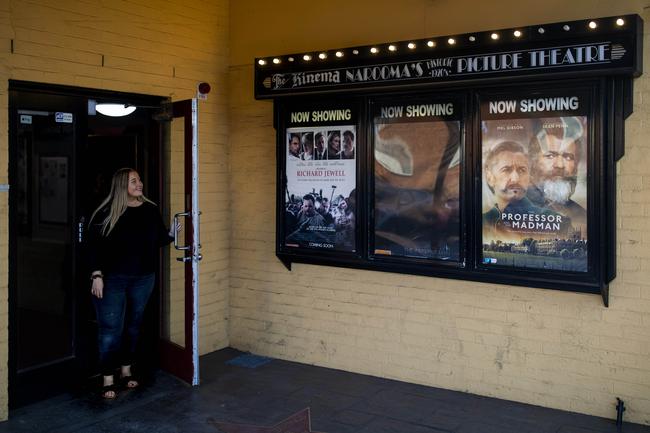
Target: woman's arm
95,243
164,236
95,247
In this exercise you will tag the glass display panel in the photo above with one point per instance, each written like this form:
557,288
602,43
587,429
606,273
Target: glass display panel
534,172
417,171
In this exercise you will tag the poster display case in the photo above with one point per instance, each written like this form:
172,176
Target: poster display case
487,157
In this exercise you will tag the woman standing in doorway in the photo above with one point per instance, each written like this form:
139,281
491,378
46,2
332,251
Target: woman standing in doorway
126,232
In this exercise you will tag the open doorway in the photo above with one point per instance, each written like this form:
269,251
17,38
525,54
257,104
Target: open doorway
62,157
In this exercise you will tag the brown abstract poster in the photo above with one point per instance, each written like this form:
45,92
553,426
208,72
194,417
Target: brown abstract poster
417,166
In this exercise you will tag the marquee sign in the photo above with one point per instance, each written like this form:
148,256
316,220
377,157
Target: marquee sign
603,46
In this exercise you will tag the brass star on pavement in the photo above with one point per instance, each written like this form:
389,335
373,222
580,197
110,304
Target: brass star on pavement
299,422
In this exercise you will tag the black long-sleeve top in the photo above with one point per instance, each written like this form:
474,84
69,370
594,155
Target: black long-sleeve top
131,248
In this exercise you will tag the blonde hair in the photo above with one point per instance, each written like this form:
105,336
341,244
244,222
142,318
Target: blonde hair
117,199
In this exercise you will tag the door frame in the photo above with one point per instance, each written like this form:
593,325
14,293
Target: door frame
78,96
184,361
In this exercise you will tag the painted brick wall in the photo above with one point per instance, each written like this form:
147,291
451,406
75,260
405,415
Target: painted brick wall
550,348
156,48
6,33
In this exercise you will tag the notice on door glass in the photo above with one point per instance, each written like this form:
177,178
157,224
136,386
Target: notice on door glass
60,117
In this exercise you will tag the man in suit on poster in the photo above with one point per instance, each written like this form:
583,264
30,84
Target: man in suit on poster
294,147
320,151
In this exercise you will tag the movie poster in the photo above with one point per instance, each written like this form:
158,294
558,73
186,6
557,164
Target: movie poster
534,168
320,196
417,180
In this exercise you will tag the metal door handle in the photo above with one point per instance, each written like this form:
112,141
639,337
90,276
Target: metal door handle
175,223
196,255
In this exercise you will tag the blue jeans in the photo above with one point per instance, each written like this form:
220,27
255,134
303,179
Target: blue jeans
119,316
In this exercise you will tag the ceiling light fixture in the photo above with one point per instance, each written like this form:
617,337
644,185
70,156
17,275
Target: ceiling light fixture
115,110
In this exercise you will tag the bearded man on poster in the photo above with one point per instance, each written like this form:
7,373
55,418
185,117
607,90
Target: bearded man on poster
310,224
555,156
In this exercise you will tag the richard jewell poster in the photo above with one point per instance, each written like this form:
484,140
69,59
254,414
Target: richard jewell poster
320,194
417,170
534,172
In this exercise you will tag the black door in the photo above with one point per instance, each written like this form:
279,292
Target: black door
61,162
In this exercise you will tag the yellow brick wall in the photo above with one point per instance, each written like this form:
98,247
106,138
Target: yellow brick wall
6,33
150,47
550,348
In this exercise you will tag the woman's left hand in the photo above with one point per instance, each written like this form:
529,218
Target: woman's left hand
97,288
178,228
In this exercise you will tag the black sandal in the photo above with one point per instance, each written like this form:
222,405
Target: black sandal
124,382
109,388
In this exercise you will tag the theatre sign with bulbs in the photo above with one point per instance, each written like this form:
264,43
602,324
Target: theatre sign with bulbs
487,156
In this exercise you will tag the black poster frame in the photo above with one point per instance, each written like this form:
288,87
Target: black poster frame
460,102
594,161
604,122
282,114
